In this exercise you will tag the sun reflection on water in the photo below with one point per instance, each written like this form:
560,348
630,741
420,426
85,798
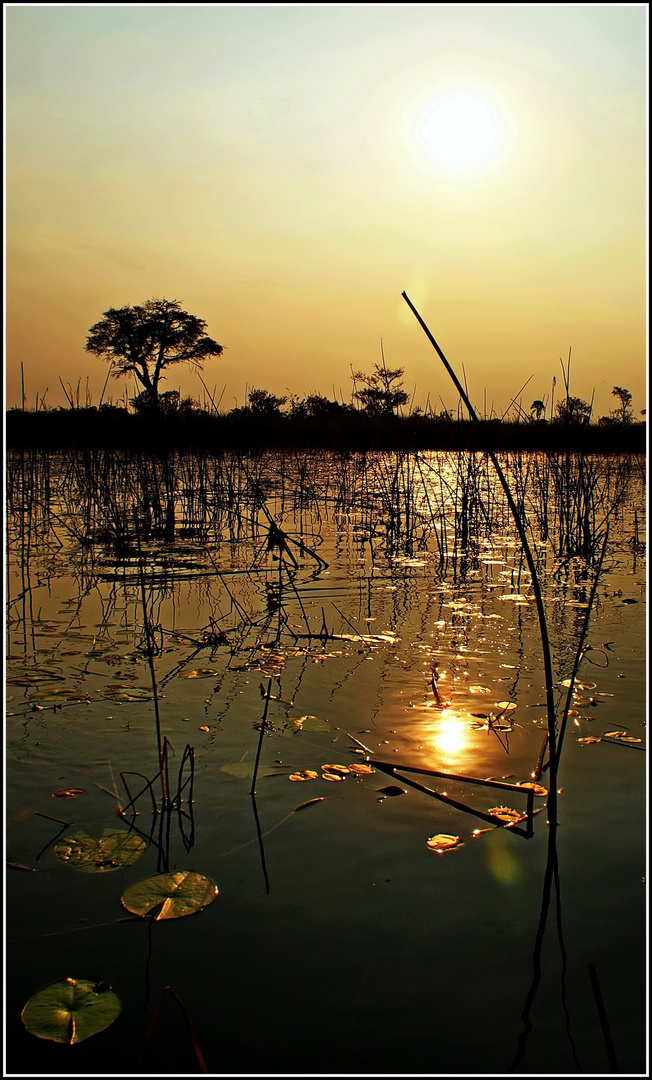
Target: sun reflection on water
450,733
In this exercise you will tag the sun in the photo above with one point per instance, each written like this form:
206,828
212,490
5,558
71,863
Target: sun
461,131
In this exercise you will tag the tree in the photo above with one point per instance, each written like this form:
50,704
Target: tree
573,410
148,338
382,393
262,403
539,408
623,413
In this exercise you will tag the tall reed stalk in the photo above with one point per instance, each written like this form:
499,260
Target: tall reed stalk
536,586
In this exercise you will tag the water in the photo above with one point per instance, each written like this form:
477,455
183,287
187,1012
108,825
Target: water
395,612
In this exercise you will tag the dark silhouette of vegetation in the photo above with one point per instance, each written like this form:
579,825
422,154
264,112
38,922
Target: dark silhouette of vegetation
573,410
382,392
146,339
538,409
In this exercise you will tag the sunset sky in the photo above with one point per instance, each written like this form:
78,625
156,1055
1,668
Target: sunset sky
287,171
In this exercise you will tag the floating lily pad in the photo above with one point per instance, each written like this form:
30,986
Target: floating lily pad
306,774
243,770
589,739
34,675
127,693
333,777
360,769
505,813
176,894
202,673
68,793
443,842
305,723
114,849
343,770
392,790
71,1010
538,789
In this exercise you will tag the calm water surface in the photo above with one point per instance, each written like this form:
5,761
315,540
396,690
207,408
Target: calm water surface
391,615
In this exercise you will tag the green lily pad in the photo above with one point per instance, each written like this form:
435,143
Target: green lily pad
114,849
34,675
71,1010
244,770
176,894
128,693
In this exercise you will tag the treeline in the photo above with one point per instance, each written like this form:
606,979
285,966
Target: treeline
325,425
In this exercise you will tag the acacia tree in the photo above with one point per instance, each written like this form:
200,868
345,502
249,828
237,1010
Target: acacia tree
574,410
381,394
623,413
148,338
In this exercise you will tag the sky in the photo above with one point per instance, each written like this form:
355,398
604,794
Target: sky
287,171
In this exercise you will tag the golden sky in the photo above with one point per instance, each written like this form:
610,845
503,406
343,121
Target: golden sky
286,171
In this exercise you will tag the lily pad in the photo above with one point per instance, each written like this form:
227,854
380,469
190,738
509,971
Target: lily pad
392,790
114,849
305,723
68,793
443,842
202,673
538,789
505,813
175,895
128,693
306,774
71,1010
244,770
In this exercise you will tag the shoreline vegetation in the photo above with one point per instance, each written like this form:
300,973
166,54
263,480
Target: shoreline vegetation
342,428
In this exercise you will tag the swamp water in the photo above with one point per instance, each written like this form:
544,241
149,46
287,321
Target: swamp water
376,603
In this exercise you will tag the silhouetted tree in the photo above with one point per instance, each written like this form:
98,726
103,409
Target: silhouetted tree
623,413
382,394
148,338
262,403
539,408
573,410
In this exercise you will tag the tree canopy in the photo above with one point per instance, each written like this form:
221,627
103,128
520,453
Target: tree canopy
148,338
381,394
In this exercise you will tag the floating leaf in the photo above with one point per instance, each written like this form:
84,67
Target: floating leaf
443,842
505,813
34,675
538,789
506,706
343,769
68,793
360,769
307,774
332,776
629,600
202,673
127,693
307,723
114,849
244,770
71,1010
479,690
204,728
614,734
589,739
176,894
392,790
578,685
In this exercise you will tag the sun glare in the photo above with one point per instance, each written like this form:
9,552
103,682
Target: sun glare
461,131
450,733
